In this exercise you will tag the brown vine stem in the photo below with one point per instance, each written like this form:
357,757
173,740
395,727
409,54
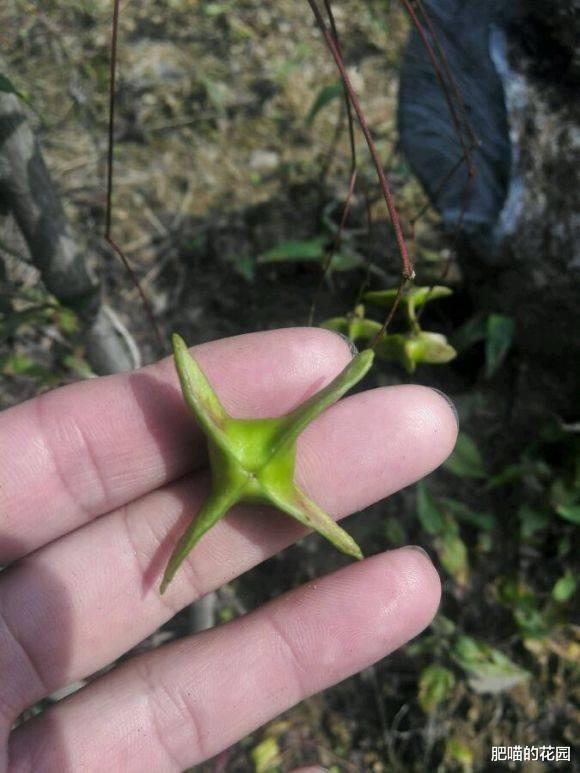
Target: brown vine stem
442,183
352,181
451,91
353,160
370,231
110,178
449,73
335,244
330,154
391,314
440,77
407,269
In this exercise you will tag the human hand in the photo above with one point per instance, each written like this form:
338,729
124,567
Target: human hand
96,481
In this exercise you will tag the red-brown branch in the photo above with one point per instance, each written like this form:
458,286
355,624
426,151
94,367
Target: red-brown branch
110,176
407,269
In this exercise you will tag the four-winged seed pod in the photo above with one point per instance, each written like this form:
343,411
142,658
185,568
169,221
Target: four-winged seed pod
252,460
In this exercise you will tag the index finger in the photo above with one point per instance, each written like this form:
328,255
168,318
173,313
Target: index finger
73,454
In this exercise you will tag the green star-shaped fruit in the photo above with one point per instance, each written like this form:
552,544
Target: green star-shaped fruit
252,460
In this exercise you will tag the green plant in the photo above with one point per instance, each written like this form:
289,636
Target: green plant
459,658
313,250
25,310
496,331
409,348
545,481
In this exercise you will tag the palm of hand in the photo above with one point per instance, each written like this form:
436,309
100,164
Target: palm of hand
94,476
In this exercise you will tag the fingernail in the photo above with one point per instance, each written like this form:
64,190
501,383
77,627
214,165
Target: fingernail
450,403
419,549
350,343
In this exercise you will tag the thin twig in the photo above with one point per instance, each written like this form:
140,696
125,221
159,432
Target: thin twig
407,269
353,158
353,174
334,247
440,77
370,232
450,90
110,175
449,73
391,314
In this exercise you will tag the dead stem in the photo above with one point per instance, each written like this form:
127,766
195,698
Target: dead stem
407,269
110,175
391,314
353,175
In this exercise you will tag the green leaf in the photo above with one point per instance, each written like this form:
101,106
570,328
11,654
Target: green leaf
442,626
426,645
489,670
468,652
457,751
325,96
470,333
6,85
338,324
569,513
511,592
564,546
214,9
312,251
66,320
346,260
218,94
354,327
531,520
78,366
382,298
363,329
14,320
532,622
429,515
265,755
431,348
226,614
414,296
435,686
414,349
466,460
395,532
498,340
564,495
485,521
484,542
244,265
394,348
509,474
564,588
419,296
304,249
453,555
20,365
